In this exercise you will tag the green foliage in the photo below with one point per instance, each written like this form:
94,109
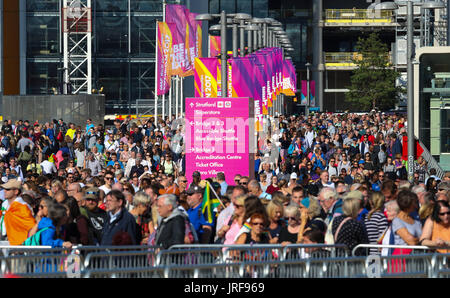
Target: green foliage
373,82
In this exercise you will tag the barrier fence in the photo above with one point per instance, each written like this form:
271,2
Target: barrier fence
218,261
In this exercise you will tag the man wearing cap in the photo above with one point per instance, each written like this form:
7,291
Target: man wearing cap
96,216
196,217
17,216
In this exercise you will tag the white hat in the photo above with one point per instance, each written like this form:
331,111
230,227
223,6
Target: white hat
294,176
70,171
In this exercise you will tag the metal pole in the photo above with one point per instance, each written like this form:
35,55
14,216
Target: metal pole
410,108
223,52
242,38
181,97
176,96
235,41
307,90
250,41
1,57
170,100
156,78
264,36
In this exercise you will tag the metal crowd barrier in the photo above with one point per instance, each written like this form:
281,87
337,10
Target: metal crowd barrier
218,261
416,249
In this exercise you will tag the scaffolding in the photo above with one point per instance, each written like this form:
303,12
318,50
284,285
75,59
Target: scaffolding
77,37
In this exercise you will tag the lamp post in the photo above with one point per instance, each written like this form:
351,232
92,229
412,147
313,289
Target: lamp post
308,65
223,50
410,71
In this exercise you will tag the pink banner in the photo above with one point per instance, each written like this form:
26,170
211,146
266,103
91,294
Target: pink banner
215,46
179,15
164,58
207,77
219,137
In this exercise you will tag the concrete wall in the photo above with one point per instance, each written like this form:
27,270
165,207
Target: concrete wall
44,108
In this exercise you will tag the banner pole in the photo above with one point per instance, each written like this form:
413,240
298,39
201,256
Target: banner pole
155,112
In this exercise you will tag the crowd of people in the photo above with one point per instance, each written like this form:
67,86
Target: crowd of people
324,178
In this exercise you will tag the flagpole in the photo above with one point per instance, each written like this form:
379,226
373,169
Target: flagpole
210,187
156,76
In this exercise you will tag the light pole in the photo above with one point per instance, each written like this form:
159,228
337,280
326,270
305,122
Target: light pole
410,71
223,50
308,65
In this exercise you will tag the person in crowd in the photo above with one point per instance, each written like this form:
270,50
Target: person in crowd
345,228
17,215
171,230
406,229
375,221
275,211
229,231
118,219
258,224
436,231
289,233
141,205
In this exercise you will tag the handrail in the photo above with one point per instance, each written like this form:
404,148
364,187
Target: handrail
431,162
396,246
357,14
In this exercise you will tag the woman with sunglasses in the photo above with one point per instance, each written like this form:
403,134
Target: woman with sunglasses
275,210
227,234
257,233
436,231
289,233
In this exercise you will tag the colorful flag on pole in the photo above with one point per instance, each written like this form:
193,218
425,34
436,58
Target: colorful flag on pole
215,46
164,58
209,204
207,77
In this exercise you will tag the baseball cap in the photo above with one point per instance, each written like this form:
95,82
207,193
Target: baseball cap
194,189
294,176
12,184
92,193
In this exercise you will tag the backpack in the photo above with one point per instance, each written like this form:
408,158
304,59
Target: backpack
35,240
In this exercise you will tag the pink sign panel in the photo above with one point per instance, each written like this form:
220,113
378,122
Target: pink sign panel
220,137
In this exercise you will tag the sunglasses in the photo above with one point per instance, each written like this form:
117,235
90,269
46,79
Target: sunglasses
291,218
444,213
257,224
243,183
183,181
109,178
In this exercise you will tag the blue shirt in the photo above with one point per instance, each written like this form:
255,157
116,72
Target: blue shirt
198,220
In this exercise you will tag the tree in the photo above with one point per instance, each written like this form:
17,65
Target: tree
373,82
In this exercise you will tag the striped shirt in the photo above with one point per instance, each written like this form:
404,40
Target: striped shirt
375,227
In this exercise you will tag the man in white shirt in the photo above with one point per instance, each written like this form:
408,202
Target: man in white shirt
48,167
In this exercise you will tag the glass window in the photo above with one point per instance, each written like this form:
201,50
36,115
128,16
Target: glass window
111,36
142,80
111,6
42,5
143,36
42,77
260,8
244,6
214,6
112,76
146,5
42,36
228,5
